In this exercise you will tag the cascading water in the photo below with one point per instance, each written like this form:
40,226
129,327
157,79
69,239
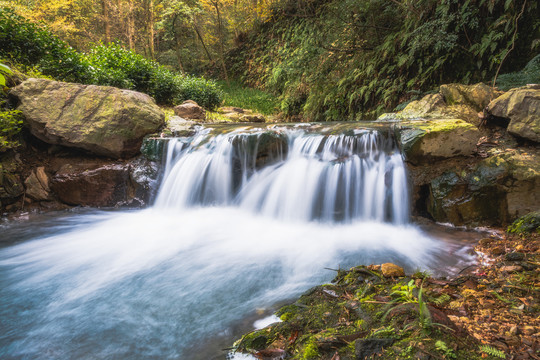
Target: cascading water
334,178
243,220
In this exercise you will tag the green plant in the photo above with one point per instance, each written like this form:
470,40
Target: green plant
10,125
445,350
404,293
492,351
4,70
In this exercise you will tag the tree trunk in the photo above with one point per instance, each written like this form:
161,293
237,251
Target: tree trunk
105,8
202,41
151,21
131,25
221,40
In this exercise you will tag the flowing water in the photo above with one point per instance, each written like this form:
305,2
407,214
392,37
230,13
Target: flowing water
230,232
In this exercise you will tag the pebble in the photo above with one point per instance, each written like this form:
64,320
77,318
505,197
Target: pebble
511,268
392,270
514,256
498,250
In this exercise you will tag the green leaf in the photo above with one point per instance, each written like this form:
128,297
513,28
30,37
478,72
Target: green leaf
5,69
2,80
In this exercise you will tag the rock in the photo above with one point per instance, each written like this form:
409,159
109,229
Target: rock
485,241
180,127
522,107
494,192
190,110
144,179
497,250
252,118
366,348
426,141
106,186
37,185
511,268
421,108
267,147
392,270
230,109
514,256
478,96
104,120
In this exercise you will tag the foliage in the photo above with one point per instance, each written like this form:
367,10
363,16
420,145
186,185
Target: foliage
445,350
339,60
10,125
530,74
492,351
36,48
237,95
526,224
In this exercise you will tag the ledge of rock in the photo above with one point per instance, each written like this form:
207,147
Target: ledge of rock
522,107
103,120
425,141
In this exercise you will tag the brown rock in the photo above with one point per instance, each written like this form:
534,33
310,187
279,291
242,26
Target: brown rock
512,268
392,270
106,186
190,110
37,185
255,118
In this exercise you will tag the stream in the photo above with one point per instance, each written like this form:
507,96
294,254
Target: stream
227,239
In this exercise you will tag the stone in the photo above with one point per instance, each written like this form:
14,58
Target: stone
37,185
477,96
498,250
526,224
485,241
426,141
495,191
180,127
103,120
511,268
514,256
190,110
105,186
392,270
252,118
522,107
420,108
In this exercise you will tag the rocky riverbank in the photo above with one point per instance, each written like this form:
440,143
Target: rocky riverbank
487,311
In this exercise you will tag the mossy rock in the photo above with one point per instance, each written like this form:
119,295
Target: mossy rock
425,141
526,224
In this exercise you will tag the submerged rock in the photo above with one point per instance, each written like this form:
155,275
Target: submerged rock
104,120
522,107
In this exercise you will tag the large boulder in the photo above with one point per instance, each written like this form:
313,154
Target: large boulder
495,191
522,107
104,120
424,141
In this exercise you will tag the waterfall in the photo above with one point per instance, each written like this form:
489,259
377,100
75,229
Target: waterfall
306,176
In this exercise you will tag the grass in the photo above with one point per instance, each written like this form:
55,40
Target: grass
237,95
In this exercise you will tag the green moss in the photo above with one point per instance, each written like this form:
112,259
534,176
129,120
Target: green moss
311,350
526,224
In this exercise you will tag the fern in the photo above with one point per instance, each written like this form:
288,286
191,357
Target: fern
492,351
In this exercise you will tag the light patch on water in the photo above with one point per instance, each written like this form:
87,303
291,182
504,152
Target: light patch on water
269,320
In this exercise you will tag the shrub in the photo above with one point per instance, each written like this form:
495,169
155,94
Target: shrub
10,125
205,92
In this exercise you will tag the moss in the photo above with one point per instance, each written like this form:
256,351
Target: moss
526,224
311,350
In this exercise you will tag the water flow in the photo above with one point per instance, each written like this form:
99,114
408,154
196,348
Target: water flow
243,220
332,178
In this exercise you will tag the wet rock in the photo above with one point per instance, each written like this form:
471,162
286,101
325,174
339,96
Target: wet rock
514,256
392,270
106,186
144,178
366,348
180,127
425,141
522,107
496,191
37,185
11,187
103,120
190,110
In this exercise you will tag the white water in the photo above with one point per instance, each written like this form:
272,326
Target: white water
224,239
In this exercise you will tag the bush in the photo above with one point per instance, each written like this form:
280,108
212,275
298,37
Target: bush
33,46
10,125
529,75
